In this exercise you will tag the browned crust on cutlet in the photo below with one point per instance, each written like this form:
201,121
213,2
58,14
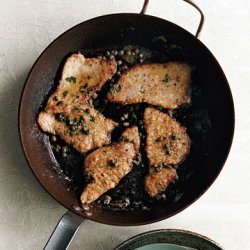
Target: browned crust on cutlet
162,84
167,141
106,166
131,134
83,128
157,182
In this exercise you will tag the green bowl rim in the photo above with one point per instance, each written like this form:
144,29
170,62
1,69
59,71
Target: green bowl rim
185,235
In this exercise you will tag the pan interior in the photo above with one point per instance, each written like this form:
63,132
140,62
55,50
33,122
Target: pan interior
209,121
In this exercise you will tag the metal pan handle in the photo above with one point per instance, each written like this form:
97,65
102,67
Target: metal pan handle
64,232
202,18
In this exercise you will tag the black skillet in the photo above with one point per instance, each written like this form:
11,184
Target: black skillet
210,121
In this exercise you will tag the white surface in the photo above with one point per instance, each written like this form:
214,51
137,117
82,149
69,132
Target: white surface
28,214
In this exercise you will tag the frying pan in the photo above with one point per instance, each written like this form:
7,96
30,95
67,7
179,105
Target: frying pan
114,31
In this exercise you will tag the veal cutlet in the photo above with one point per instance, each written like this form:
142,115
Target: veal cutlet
162,84
84,128
81,78
68,113
106,166
166,144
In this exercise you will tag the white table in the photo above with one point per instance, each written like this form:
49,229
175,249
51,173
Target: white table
28,214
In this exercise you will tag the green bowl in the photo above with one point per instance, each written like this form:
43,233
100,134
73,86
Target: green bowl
169,239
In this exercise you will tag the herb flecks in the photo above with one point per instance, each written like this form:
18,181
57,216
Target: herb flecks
85,130
167,78
115,88
82,90
55,98
157,168
60,117
124,138
85,85
71,79
167,149
89,179
113,163
160,139
91,118
65,93
174,137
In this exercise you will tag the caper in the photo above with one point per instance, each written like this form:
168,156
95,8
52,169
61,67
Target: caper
107,199
64,149
111,57
141,60
107,53
114,52
141,55
124,67
85,130
128,52
53,138
119,62
127,201
121,52
163,196
58,148
95,96
125,124
137,51
64,155
118,73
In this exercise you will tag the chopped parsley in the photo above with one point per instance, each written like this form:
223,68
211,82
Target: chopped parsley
65,93
85,130
82,90
113,163
87,111
71,79
85,85
55,98
174,137
124,138
160,138
166,79
60,117
91,118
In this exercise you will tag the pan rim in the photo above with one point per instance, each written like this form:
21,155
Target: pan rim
117,223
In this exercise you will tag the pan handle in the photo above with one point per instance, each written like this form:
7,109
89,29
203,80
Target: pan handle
64,232
202,18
